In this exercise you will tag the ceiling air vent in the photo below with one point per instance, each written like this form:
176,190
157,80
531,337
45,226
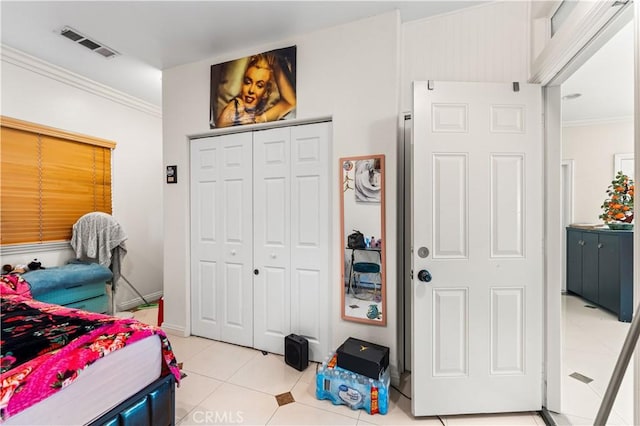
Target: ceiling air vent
90,44
70,34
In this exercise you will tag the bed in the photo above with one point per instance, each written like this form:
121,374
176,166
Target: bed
67,366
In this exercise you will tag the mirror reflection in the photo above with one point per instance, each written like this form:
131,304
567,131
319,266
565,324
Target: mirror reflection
363,239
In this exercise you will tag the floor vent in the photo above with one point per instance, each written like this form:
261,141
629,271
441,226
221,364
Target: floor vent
581,377
90,44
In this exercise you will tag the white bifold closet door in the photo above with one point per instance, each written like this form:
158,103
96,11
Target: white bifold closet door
285,256
291,237
222,238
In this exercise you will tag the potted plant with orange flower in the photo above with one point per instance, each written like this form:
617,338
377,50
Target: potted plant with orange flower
618,208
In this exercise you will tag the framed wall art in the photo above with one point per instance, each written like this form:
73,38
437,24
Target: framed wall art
367,181
254,89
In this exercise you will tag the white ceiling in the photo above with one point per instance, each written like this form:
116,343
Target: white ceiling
155,35
605,82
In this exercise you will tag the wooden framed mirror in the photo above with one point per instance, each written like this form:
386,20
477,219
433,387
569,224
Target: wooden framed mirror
362,230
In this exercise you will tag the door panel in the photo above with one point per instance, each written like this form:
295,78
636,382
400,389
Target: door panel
204,240
234,299
271,305
450,195
272,238
507,331
451,337
306,316
590,266
507,209
310,230
205,300
609,281
574,261
477,210
221,238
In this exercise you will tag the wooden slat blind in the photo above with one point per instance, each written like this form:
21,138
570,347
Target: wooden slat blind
48,179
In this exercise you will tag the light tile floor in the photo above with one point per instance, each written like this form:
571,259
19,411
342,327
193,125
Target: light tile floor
592,340
229,384
358,308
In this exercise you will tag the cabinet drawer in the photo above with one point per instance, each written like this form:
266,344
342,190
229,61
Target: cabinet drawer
64,296
96,304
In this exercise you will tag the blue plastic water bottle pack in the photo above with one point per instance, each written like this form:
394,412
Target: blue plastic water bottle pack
354,390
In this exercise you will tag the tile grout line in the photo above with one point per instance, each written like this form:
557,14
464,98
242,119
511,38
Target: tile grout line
613,408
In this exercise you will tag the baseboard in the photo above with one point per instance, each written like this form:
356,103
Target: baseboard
395,375
174,330
130,304
546,416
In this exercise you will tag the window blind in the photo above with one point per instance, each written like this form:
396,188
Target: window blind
48,179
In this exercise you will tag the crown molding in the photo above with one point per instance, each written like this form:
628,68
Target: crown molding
54,72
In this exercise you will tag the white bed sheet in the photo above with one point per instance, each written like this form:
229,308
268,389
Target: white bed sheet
101,386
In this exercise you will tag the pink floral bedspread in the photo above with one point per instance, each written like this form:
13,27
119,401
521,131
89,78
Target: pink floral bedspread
44,347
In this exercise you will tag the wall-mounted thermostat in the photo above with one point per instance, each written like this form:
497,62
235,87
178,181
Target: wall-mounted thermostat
172,174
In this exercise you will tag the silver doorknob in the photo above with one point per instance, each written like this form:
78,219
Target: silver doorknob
424,275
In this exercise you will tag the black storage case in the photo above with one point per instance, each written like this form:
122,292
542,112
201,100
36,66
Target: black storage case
363,357
296,351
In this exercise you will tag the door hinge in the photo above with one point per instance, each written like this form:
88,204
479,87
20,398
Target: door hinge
516,86
430,84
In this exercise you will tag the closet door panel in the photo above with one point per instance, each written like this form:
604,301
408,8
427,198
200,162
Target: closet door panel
204,299
310,232
306,318
275,316
272,238
205,184
236,210
221,238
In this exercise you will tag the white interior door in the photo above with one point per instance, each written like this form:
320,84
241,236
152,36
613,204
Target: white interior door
221,238
272,238
477,211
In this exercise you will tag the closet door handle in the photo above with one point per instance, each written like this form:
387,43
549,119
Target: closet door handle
273,255
233,252
256,272
600,245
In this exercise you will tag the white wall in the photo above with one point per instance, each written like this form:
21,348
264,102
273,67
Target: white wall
349,72
592,147
487,43
35,91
